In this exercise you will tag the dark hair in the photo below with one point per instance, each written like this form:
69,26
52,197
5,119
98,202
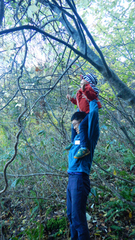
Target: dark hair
79,116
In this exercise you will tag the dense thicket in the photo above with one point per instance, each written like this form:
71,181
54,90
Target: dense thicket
44,47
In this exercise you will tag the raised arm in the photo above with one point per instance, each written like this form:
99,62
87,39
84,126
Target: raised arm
93,122
73,100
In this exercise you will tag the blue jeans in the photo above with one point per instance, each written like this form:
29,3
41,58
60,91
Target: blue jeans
77,192
83,130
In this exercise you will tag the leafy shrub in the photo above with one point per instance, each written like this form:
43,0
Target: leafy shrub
59,223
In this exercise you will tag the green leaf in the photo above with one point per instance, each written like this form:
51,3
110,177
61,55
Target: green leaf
104,127
33,193
132,166
116,227
42,132
34,210
15,182
132,233
93,192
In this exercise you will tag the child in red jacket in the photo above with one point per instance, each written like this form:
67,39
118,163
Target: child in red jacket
85,94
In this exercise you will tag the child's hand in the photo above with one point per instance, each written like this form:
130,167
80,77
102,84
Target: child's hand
68,96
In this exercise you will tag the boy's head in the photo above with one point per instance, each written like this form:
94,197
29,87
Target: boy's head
90,78
76,119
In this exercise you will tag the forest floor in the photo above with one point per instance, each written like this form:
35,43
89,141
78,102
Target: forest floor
29,219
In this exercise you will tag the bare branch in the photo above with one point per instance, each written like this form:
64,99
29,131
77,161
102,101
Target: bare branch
11,160
90,36
52,37
9,100
1,11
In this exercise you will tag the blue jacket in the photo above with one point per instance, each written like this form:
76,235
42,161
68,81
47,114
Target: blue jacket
84,164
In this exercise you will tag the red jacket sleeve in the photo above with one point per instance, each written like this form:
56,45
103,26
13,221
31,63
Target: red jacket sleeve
89,92
73,100
79,95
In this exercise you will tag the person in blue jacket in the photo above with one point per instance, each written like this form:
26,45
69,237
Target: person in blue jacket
78,170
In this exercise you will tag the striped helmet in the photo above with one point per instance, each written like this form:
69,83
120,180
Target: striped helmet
91,78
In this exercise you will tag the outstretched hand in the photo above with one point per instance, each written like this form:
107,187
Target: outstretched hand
68,96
